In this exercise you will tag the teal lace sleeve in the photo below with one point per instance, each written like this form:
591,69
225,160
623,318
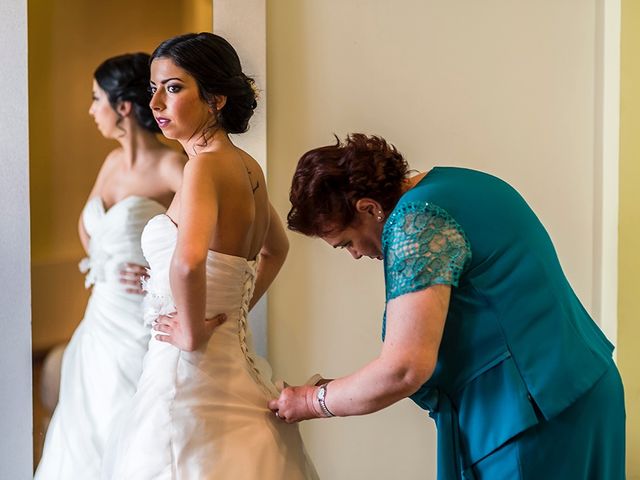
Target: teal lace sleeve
422,246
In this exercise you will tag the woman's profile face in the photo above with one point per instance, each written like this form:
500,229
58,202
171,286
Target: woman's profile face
176,103
363,238
102,112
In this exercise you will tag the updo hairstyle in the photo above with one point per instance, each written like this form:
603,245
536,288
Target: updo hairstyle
215,66
126,78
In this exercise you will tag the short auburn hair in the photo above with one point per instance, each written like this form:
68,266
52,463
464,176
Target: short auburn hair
329,180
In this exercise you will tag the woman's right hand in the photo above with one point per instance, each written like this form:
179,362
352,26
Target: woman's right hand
171,330
296,404
132,275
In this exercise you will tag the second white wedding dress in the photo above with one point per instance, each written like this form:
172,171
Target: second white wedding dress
203,415
103,361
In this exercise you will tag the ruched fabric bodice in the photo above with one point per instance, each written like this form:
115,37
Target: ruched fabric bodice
103,361
203,415
230,284
115,236
230,279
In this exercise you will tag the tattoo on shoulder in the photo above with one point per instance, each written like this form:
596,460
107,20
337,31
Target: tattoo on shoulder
257,182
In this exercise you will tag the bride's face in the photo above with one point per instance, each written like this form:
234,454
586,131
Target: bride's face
103,114
177,106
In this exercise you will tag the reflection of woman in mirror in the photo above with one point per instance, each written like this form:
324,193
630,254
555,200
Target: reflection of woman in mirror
200,411
103,360
481,326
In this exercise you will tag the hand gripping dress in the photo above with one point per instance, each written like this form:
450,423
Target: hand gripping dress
203,415
103,361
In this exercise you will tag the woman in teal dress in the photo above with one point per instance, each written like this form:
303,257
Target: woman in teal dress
481,327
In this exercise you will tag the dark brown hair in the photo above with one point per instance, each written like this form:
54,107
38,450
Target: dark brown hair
125,78
215,66
329,180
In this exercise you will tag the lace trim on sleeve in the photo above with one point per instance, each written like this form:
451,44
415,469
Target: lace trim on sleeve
422,246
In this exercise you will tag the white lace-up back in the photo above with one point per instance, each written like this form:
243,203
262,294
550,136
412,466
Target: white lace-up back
230,286
204,414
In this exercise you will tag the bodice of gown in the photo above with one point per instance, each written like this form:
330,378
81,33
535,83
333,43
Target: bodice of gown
203,414
103,360
230,282
115,236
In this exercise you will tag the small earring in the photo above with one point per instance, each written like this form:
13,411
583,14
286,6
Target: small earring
379,218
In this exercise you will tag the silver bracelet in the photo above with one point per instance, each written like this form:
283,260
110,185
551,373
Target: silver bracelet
321,395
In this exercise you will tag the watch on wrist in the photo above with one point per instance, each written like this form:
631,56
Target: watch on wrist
321,395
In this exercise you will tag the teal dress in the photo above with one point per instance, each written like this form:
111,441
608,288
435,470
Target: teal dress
524,386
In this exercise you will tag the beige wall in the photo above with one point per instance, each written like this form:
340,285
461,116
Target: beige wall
68,39
243,23
629,303
507,87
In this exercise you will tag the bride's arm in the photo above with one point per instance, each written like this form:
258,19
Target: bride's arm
198,214
272,256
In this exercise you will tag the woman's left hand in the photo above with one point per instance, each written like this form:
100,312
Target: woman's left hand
172,330
132,275
296,404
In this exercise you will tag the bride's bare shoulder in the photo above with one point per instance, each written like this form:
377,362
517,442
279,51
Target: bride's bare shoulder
171,166
111,162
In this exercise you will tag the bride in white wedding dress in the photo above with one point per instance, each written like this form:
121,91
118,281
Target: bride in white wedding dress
103,361
200,411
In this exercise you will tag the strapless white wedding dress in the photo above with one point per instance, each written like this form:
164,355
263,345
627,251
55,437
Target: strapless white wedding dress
103,360
203,415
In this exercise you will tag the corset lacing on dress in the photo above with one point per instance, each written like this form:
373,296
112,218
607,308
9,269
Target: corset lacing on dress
249,287
158,303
